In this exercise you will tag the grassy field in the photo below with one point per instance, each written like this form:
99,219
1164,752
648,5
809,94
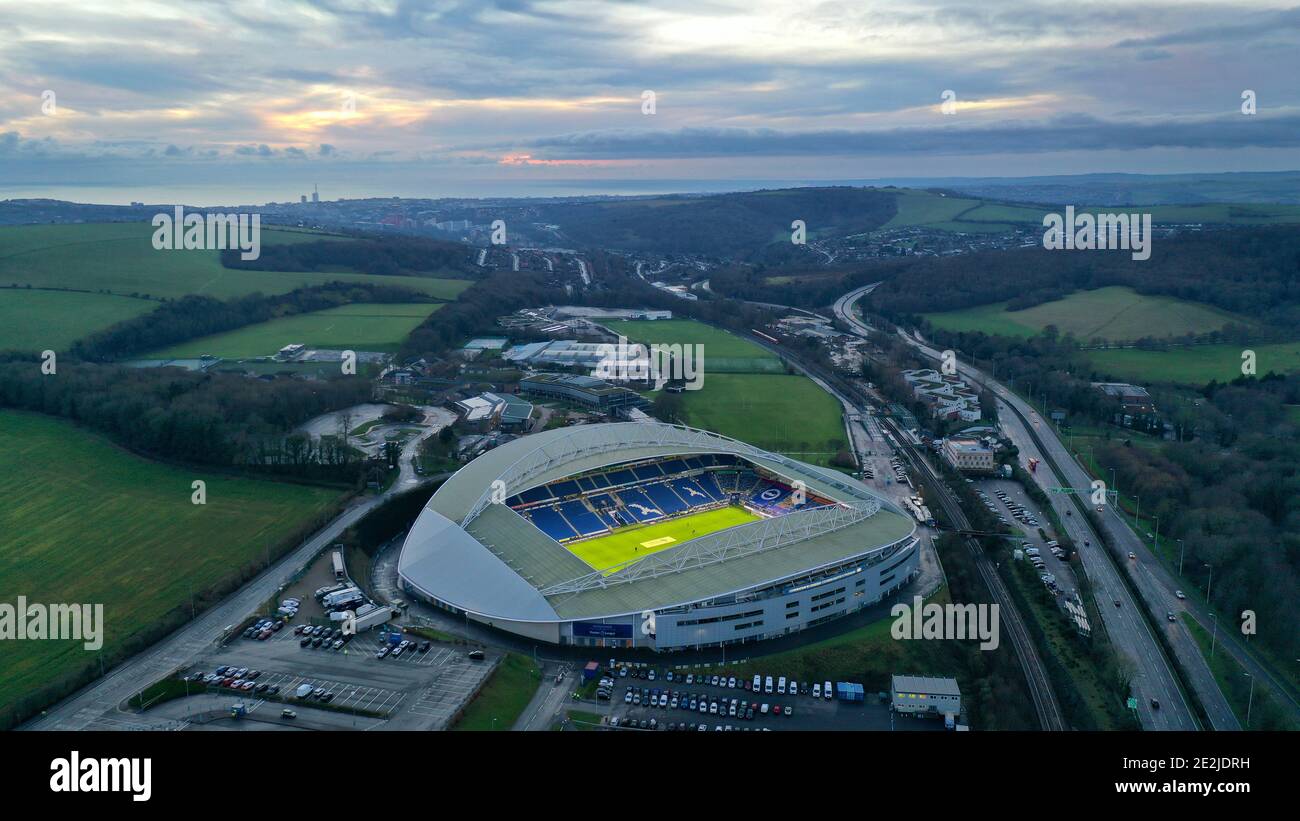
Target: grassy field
119,257
629,545
723,352
1195,365
86,522
788,414
1264,713
357,327
947,213
32,320
1114,313
746,393
503,699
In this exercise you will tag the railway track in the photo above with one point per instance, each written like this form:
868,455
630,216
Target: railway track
1046,704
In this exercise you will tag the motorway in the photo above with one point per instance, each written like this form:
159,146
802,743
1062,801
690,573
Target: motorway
1153,676
1046,704
95,706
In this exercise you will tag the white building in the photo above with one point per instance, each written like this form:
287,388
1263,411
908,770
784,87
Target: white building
968,455
925,695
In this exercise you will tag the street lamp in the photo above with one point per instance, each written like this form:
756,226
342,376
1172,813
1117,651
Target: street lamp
1214,637
1180,556
1209,583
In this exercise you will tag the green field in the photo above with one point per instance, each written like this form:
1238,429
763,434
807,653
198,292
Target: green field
722,352
746,393
357,327
630,545
787,414
119,257
949,213
503,699
86,522
1115,313
1196,365
32,320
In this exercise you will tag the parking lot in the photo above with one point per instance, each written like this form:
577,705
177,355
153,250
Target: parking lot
1014,505
415,690
793,710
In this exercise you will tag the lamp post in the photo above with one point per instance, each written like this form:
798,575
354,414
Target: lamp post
1156,539
1181,550
1214,636
1209,583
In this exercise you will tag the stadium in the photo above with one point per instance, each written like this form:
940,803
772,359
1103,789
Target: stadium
651,535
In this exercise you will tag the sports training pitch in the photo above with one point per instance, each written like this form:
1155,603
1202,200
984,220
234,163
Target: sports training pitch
612,553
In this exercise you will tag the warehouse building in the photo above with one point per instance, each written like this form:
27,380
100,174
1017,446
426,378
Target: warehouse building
924,695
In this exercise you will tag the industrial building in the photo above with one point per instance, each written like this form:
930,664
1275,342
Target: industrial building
924,695
587,390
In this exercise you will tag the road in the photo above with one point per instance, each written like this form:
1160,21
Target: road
1153,676
1046,704
88,708
1045,701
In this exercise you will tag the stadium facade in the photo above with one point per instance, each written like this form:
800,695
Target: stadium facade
500,542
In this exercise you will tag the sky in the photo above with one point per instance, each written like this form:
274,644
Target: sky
120,99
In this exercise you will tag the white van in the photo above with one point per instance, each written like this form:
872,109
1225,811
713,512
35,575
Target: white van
826,691
758,683
817,690
767,685
780,685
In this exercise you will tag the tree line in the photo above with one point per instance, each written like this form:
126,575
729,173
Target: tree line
203,418
396,255
191,317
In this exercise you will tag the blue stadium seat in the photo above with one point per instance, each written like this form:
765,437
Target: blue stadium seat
692,493
537,494
650,471
600,480
552,523
583,520
710,486
621,477
672,466
565,488
662,495
639,505
769,494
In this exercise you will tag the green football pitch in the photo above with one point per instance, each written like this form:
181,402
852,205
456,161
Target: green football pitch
627,546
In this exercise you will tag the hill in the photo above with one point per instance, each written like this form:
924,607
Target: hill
1115,313
86,521
120,258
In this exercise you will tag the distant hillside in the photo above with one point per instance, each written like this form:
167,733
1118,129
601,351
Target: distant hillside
741,224
1252,272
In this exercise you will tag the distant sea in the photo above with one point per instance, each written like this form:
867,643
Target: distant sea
254,193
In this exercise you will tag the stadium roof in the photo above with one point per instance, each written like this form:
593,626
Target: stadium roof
488,559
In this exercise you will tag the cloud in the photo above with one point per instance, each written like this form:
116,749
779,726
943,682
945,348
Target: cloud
1062,133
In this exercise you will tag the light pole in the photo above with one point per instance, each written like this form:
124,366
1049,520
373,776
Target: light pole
1214,637
1209,583
1181,549
1156,539
1249,699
